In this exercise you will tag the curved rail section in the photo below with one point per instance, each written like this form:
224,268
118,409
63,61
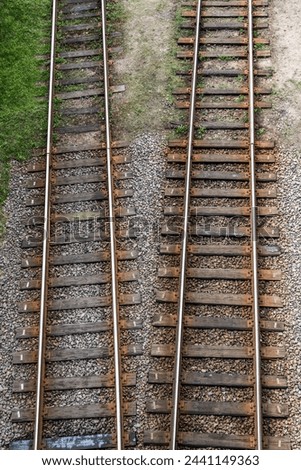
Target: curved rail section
80,237
219,333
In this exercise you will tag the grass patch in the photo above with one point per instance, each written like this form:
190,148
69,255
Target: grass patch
24,28
260,132
201,132
260,46
181,130
226,58
115,14
148,70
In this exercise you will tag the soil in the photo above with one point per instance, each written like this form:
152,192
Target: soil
146,66
286,63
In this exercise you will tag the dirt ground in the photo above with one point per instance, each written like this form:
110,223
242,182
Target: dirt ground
147,66
285,36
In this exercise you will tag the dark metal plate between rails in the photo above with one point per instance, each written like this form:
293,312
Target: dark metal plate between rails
95,441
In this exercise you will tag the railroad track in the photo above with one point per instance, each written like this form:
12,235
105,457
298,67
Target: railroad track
217,360
77,278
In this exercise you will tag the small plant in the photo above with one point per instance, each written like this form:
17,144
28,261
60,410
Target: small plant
181,130
56,102
240,78
115,12
56,120
59,75
240,99
259,46
226,58
178,18
201,132
260,132
60,60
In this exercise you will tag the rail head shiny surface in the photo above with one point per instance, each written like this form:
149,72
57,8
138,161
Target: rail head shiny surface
38,421
256,313
115,304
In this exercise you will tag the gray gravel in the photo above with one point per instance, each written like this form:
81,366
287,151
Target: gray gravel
148,164
289,176
11,254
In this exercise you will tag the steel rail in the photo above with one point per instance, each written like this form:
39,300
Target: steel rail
183,262
115,303
38,421
256,330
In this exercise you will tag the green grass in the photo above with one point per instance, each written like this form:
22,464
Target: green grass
260,132
259,46
116,14
181,130
226,58
24,32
